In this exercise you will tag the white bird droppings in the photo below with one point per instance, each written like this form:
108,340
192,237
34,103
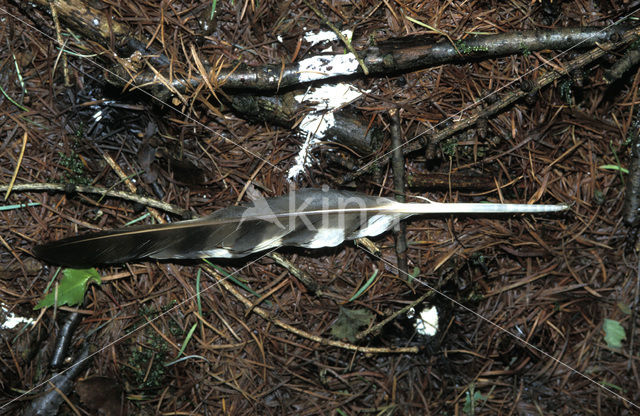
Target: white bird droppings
427,323
323,66
325,99
325,36
10,320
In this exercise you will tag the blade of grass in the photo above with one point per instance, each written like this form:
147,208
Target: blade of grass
76,54
214,3
615,168
140,218
198,300
21,107
15,61
53,279
187,357
433,29
187,339
365,286
233,279
615,154
18,206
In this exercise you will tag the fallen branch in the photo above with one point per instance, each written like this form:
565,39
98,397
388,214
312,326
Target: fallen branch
70,188
391,56
510,98
632,190
397,166
49,402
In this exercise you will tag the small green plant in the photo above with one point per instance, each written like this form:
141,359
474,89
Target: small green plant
449,147
473,400
79,130
146,362
74,172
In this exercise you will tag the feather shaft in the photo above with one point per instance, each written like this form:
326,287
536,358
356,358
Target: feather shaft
310,218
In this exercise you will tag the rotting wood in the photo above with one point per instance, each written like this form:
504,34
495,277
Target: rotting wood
624,64
350,129
445,181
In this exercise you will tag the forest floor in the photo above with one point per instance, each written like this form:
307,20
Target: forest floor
537,312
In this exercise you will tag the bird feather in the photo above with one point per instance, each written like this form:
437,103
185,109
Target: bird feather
310,218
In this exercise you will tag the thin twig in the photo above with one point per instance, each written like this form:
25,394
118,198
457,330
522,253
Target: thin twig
56,22
15,172
156,215
304,334
70,188
397,165
302,276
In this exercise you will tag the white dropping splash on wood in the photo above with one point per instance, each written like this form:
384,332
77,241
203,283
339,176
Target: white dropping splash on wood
325,100
325,36
9,320
323,66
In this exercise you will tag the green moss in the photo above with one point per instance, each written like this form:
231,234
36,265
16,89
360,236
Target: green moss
566,91
79,130
74,172
146,368
449,147
146,362
466,49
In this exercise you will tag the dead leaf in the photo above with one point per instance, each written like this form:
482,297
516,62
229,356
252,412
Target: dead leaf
102,395
349,323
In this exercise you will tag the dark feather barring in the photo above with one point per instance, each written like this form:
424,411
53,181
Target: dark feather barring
310,218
